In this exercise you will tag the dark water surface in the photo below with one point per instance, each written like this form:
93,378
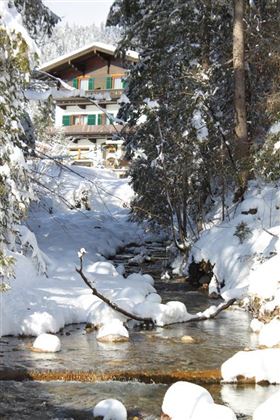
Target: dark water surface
74,400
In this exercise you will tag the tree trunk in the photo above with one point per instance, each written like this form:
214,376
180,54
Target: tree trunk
240,129
206,35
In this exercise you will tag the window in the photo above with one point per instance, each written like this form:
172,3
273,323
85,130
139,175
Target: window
66,120
124,83
91,84
91,119
84,84
76,120
118,83
76,83
109,82
99,119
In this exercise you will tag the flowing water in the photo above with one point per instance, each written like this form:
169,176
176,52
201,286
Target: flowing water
160,349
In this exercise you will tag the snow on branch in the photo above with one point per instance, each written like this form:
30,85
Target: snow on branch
112,305
209,313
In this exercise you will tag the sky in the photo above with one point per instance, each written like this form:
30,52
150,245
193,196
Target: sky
82,12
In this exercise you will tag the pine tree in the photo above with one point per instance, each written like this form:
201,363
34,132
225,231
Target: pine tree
171,109
186,72
67,38
21,22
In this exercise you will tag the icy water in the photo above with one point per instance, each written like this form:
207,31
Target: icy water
160,349
73,400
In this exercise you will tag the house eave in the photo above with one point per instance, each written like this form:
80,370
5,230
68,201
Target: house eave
92,48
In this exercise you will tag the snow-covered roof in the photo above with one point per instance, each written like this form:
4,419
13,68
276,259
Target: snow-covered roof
95,46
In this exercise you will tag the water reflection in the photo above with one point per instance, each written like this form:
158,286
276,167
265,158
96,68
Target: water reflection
75,400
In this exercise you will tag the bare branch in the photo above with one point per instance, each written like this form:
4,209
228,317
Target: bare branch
149,321
112,305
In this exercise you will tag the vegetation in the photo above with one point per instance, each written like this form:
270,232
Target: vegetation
17,55
200,107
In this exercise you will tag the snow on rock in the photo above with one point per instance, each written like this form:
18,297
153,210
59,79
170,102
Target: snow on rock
213,412
262,365
188,401
110,409
149,279
101,270
47,343
182,398
163,314
270,334
121,269
113,332
269,409
154,297
256,325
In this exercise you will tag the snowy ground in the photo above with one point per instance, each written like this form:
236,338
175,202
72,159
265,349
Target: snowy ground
47,293
38,303
245,248
44,302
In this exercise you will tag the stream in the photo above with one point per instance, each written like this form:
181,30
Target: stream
160,349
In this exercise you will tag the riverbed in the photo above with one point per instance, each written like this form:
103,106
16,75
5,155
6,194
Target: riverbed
151,351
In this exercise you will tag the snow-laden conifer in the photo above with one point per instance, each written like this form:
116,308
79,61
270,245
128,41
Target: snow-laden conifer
22,23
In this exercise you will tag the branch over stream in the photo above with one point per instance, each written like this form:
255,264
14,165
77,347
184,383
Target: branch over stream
147,321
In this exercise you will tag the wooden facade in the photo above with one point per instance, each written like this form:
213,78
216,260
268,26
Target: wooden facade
99,76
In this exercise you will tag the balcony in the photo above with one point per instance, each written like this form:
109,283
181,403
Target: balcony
92,130
106,94
104,88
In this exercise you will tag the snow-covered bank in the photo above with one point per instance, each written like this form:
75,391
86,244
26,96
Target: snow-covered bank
97,221
244,250
38,303
262,365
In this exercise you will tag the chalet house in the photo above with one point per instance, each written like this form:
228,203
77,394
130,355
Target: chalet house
101,77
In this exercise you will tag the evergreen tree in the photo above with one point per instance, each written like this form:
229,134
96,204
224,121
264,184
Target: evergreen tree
67,38
21,22
185,145
175,134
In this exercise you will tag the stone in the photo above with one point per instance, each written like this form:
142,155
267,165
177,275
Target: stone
187,339
113,338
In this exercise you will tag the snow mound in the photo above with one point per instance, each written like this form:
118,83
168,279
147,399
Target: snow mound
270,334
163,314
262,365
113,331
47,343
187,401
213,412
244,250
269,409
110,409
256,325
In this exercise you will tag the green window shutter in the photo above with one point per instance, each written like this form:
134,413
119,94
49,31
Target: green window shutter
124,83
75,83
90,84
108,82
99,119
91,120
66,120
